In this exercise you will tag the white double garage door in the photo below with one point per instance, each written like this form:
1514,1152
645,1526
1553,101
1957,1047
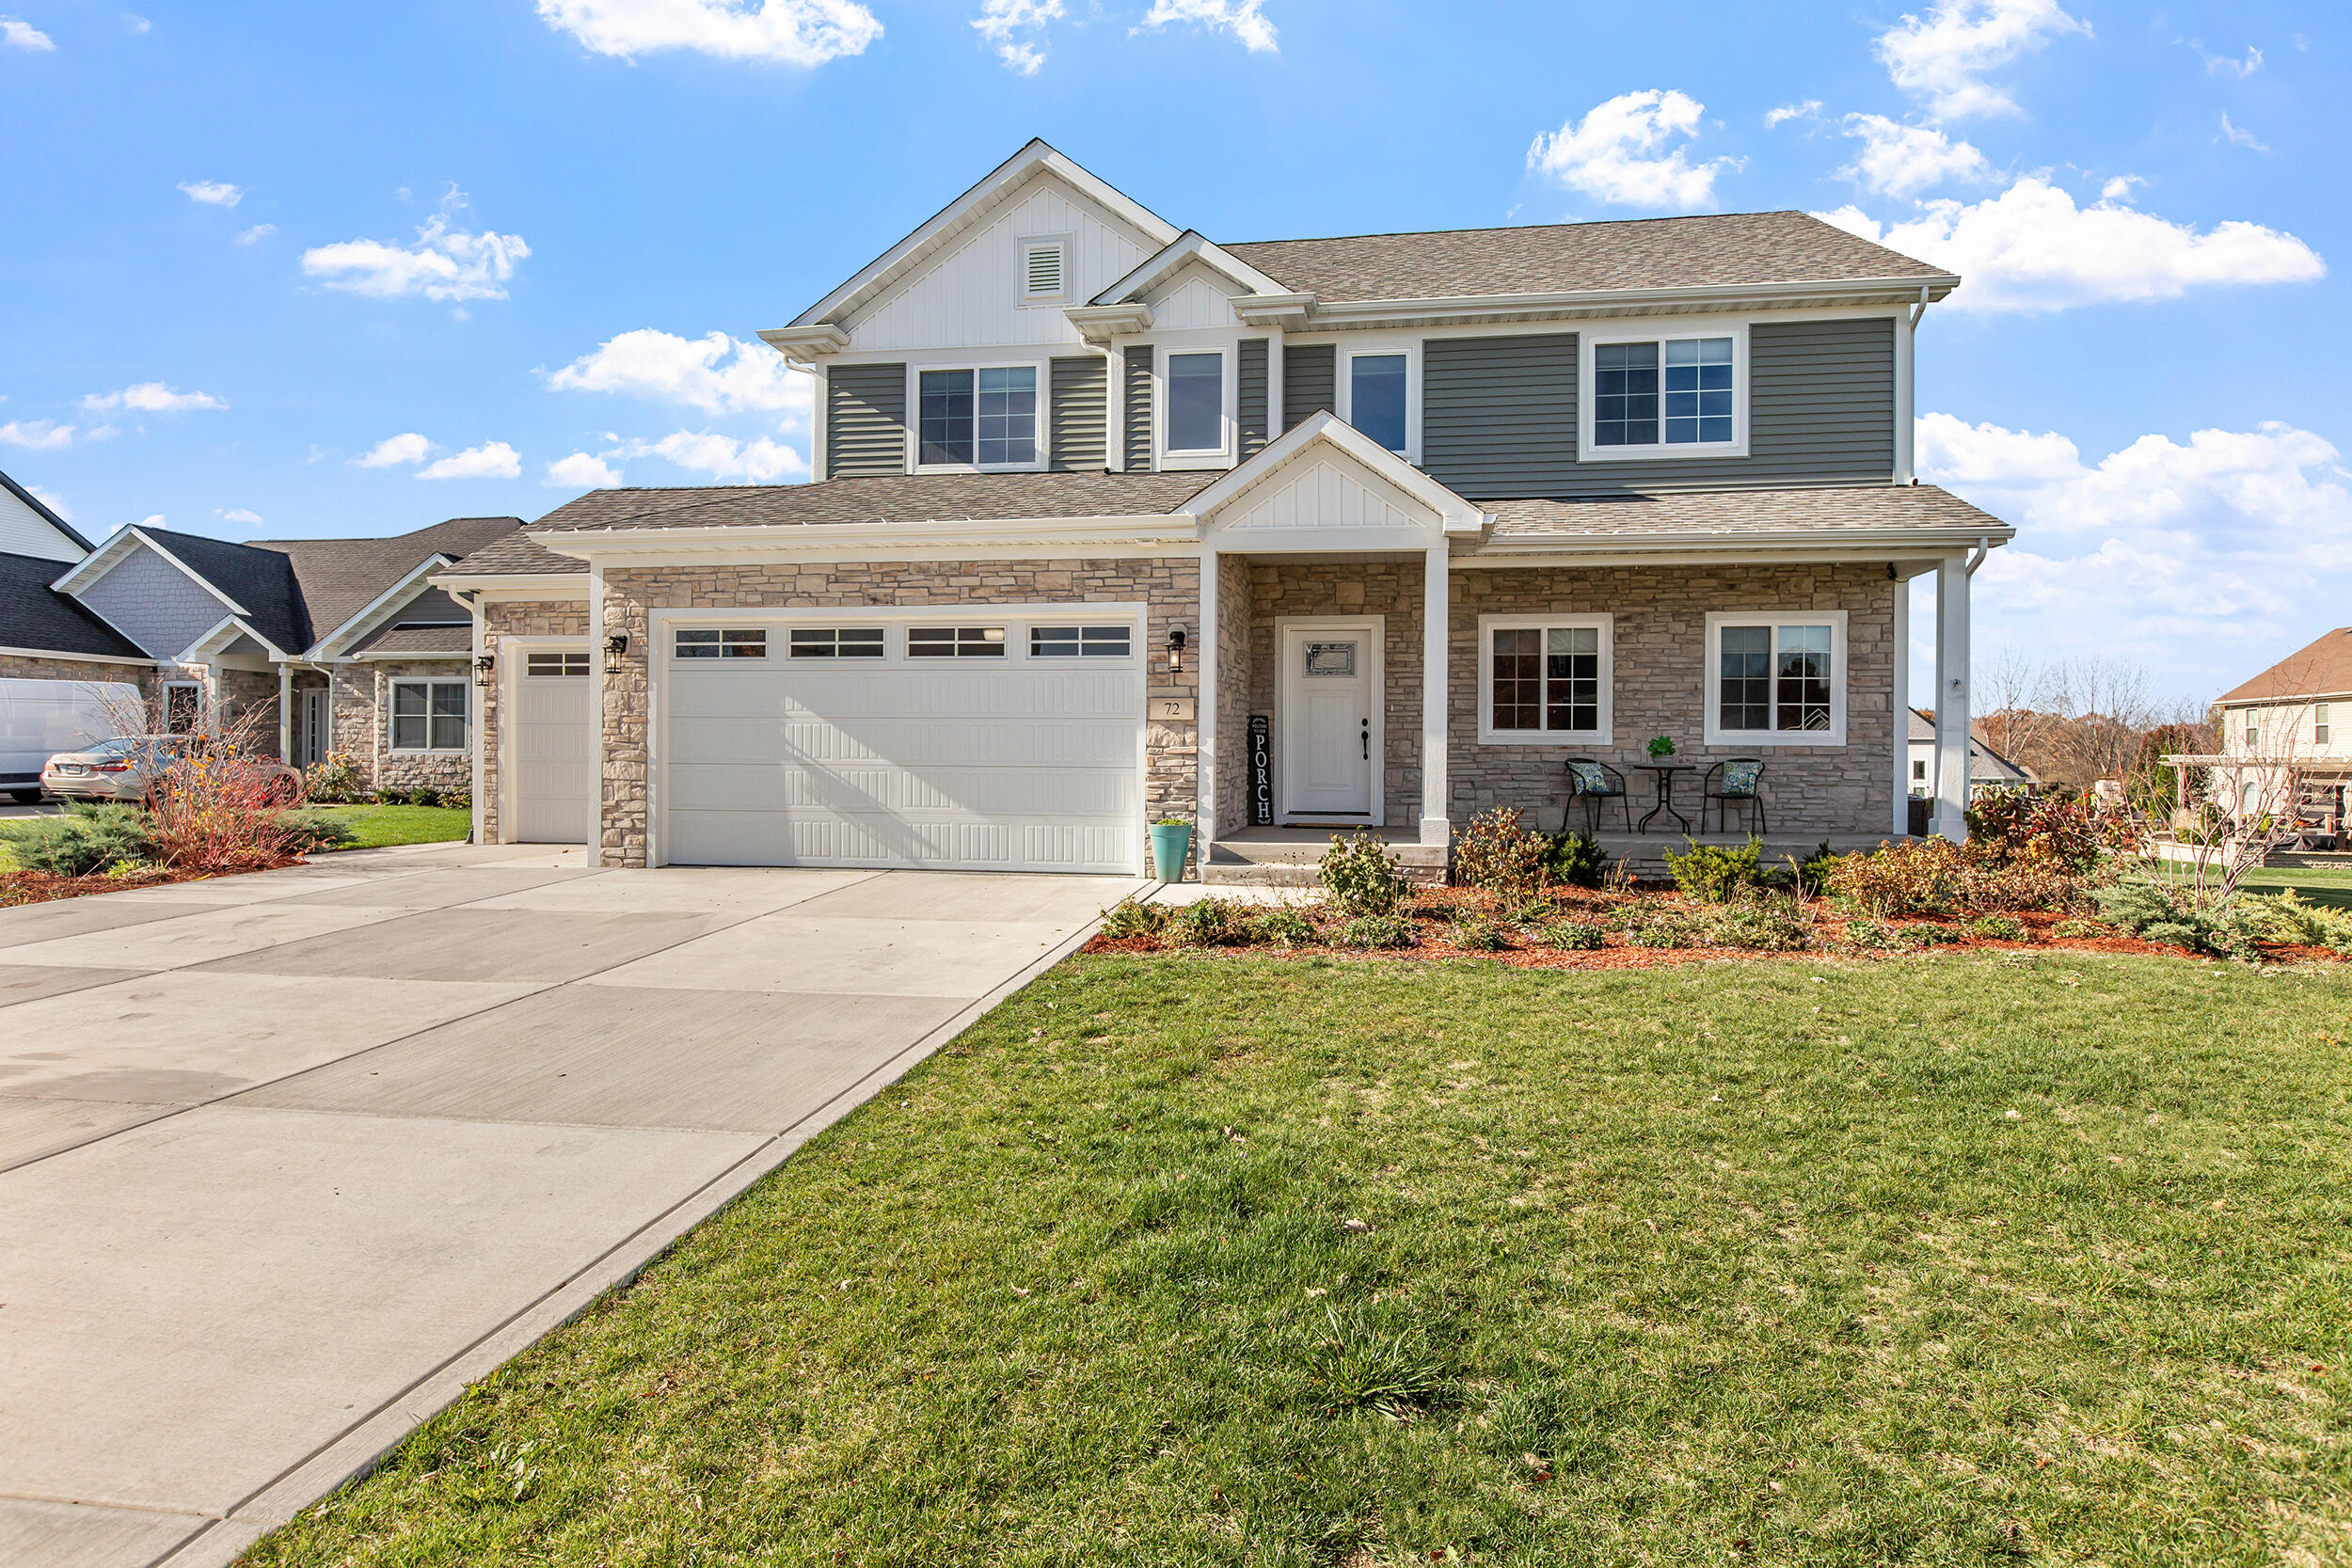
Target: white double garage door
1019,749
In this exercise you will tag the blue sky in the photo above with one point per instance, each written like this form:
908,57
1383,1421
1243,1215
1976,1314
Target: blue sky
272,265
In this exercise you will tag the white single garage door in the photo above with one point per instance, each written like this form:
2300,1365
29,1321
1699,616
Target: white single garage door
555,799
998,740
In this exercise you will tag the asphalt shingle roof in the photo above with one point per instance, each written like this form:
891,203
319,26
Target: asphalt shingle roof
893,498
340,577
1859,507
2321,670
517,554
1641,253
34,617
262,580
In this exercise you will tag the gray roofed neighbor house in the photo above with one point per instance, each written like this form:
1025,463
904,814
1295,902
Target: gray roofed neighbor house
340,577
35,618
262,580
42,509
1984,763
1869,507
1560,258
886,498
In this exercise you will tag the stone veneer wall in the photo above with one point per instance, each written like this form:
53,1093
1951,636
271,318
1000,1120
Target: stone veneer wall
1170,586
502,619
1660,632
26,668
1390,588
250,694
363,727
1233,696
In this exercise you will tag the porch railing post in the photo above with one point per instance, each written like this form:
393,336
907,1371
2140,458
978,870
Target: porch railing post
1900,716
1436,633
1951,698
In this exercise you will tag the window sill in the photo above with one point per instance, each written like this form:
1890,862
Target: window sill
1776,739
1544,737
1036,467
1184,462
411,751
1677,453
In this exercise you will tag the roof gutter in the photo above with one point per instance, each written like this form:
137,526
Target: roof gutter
1722,296
591,544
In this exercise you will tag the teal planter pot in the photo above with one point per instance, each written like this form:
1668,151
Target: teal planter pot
1171,846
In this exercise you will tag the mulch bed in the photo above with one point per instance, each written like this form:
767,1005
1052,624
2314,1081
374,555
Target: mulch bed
1432,909
40,887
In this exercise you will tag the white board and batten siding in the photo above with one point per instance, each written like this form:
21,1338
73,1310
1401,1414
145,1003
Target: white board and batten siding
1014,763
973,296
1195,300
1321,494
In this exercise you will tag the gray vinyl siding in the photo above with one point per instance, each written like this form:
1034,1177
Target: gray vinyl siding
1497,415
1080,413
1309,381
1500,417
1250,397
866,421
1138,408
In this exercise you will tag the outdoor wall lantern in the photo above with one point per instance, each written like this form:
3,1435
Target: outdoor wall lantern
616,644
1176,648
482,667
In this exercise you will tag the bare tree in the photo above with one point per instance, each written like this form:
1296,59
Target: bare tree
2009,721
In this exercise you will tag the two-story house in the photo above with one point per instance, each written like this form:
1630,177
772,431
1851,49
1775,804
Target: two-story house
2286,739
1113,523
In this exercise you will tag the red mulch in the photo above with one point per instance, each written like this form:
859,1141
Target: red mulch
40,887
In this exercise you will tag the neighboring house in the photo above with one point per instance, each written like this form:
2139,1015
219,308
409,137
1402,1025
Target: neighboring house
2289,730
1113,524
340,644
61,668
1987,767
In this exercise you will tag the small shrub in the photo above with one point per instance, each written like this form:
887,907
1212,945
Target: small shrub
1377,931
1809,876
83,841
458,799
1924,935
1760,926
427,797
2022,884
1359,874
1285,927
2288,917
2079,931
1475,931
334,782
1206,923
314,833
2154,913
1878,935
2069,835
1998,928
1913,877
1537,911
1128,918
1577,861
1715,875
1572,936
1663,928
1496,851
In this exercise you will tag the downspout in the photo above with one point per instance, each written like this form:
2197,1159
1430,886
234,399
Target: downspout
375,733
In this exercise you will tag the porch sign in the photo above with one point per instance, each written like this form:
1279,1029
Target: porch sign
1260,770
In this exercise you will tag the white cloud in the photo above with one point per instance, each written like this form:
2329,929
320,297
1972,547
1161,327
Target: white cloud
2120,188
211,193
244,518
2239,136
101,433
1809,109
53,502
2031,248
444,264
491,460
716,373
2222,65
153,519
24,35
804,33
1617,153
758,461
395,449
258,232
1943,59
137,24
1905,160
1002,21
154,397
1243,19
582,471
38,435
2166,553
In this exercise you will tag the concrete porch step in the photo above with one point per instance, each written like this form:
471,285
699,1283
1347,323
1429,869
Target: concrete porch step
1287,857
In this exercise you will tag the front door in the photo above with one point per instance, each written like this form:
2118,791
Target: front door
1331,721
310,726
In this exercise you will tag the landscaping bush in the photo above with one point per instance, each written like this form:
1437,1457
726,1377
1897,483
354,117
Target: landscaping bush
1809,876
1572,936
1360,876
458,799
1536,910
1285,927
1770,925
2078,930
1880,935
1577,861
425,797
1377,931
2287,917
2073,835
1656,927
2155,914
1925,935
2021,884
214,809
1206,923
1917,876
1713,874
1998,928
311,832
1475,931
1496,851
83,841
334,782
1128,918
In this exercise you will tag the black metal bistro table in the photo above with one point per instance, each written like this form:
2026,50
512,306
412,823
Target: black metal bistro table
1665,772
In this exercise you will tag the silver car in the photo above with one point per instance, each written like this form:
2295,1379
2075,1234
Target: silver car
126,768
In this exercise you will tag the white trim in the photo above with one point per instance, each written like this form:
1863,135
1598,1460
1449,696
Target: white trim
1377,782
516,587
1343,390
85,658
1640,331
1900,708
1040,439
202,651
508,678
1605,732
1026,245
464,680
1172,258
1710,695
91,568
1905,326
1225,346
1204,709
1436,658
1456,516
1844,295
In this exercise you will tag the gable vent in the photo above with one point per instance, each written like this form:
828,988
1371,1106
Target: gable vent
1045,269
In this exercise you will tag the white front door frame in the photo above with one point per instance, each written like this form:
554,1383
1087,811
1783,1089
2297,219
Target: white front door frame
514,657
1375,703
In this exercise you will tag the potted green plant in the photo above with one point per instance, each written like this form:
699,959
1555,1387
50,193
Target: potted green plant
1171,846
1661,747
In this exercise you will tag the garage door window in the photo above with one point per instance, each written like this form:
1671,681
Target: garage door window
721,643
1078,642
557,664
837,642
956,642
428,715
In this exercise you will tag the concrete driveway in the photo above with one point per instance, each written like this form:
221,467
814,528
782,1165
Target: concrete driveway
288,1159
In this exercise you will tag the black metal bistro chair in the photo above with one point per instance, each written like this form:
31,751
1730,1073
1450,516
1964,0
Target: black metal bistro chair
1596,784
1734,781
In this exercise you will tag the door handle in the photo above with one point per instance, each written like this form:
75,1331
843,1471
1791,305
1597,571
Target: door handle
1366,737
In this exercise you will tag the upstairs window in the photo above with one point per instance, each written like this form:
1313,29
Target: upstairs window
984,417
1195,403
2319,725
1376,397
1667,396
1778,682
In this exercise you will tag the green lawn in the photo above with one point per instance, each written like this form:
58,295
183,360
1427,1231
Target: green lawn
1939,1259
2320,887
375,826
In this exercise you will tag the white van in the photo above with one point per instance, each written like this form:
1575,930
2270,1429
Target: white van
39,719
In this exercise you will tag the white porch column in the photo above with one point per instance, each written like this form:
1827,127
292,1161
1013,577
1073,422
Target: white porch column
1204,709
285,712
1436,632
1901,700
1951,698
